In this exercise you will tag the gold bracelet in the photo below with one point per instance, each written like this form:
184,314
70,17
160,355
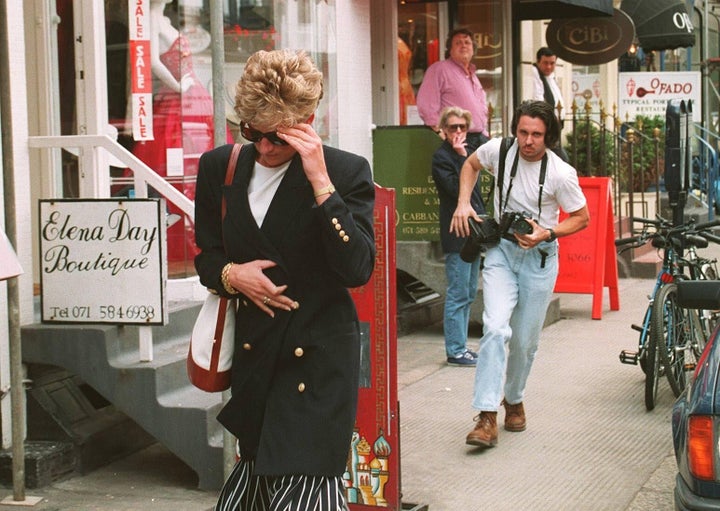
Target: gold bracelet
224,279
322,191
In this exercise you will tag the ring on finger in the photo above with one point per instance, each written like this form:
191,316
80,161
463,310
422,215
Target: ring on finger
265,300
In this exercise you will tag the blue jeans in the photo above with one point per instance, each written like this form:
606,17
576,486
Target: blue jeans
462,285
516,295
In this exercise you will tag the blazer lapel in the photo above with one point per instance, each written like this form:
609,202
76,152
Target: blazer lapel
288,200
240,226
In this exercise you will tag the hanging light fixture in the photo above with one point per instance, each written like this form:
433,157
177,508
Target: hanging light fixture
632,50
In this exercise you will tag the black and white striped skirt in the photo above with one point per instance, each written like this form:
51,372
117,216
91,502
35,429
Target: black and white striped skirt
244,491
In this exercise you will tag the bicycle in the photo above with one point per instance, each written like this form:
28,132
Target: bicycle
671,338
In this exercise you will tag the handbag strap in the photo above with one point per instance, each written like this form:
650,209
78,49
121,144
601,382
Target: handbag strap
229,176
230,172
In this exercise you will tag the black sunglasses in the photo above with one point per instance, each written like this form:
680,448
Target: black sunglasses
455,127
254,135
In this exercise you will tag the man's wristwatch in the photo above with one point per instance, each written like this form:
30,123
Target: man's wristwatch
553,236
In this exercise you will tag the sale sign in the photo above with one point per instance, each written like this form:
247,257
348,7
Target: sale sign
140,72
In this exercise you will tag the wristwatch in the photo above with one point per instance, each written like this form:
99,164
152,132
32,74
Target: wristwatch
553,236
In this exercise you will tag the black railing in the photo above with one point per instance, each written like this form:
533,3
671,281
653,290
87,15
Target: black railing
632,153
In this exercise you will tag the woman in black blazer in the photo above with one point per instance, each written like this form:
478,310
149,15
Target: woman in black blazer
462,277
297,234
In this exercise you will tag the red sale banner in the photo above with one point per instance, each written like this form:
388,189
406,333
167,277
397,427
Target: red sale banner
140,71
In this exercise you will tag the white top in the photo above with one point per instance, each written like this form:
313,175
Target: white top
539,90
561,188
262,187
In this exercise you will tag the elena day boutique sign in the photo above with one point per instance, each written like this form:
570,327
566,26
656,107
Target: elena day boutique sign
102,261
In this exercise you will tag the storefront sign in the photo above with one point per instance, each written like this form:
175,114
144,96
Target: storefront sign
102,261
591,41
647,93
482,19
488,53
588,261
402,159
140,70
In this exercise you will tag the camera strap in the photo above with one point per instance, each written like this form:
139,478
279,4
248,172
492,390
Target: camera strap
513,172
505,145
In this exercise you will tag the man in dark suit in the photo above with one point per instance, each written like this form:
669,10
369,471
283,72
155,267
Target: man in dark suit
461,276
297,234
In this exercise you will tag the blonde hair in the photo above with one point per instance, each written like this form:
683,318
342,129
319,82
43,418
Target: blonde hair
457,112
278,88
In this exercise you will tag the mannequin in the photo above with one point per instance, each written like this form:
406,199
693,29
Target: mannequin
182,122
407,94
162,37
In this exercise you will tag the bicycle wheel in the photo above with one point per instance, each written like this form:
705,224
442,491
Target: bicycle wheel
671,330
651,366
698,337
644,340
708,320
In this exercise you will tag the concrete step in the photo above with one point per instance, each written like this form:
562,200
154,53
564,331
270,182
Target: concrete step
155,394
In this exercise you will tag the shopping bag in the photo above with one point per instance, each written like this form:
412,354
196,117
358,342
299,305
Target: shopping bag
209,360
212,342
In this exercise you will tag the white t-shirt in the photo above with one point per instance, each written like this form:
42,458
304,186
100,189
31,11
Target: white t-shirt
262,187
561,188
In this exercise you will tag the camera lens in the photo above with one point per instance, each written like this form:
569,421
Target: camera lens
522,226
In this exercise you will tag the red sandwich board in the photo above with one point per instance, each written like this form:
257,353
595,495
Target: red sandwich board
588,261
372,477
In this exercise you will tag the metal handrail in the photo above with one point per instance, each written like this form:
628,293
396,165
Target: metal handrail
143,175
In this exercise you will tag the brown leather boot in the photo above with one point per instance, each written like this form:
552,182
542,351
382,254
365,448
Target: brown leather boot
514,417
485,433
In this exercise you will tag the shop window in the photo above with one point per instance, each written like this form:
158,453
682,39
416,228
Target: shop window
484,18
180,108
420,30
418,48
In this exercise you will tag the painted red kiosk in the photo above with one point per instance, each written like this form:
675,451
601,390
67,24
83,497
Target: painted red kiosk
372,478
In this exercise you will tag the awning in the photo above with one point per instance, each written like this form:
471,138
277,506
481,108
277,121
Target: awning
552,9
660,24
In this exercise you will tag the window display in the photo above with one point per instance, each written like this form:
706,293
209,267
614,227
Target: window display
181,105
182,121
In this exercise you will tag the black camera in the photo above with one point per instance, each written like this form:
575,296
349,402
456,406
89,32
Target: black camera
512,221
483,234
